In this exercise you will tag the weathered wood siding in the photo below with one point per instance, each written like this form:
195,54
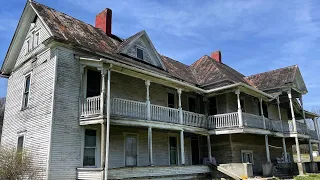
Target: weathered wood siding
160,146
34,121
66,142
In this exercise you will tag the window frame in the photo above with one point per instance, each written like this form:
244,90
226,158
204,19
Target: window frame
23,142
36,43
97,154
250,152
28,45
141,49
28,75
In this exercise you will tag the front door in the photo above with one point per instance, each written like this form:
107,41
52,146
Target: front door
131,150
195,151
173,148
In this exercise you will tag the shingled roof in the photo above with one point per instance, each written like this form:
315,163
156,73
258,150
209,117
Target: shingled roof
274,78
67,28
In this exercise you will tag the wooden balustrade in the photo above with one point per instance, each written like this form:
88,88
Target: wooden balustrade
128,108
223,120
275,125
165,114
194,119
302,128
252,120
91,106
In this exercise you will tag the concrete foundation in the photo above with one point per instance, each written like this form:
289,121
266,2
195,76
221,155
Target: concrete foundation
311,167
267,169
285,168
243,170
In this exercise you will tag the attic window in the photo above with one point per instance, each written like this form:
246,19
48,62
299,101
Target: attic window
139,53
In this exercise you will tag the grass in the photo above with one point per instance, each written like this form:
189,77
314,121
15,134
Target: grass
308,177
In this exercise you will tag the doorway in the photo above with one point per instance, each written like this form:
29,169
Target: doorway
131,151
195,151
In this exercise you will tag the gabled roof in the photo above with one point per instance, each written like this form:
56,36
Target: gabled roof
274,78
67,28
208,71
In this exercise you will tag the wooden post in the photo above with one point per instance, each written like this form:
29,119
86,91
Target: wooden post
262,114
82,87
284,149
267,147
147,82
239,108
103,124
182,147
316,126
300,168
279,113
180,106
303,113
310,151
292,112
107,127
209,148
150,146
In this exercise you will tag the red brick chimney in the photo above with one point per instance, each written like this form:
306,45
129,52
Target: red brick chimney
216,56
104,20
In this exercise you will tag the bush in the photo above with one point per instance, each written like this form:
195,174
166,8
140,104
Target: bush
15,165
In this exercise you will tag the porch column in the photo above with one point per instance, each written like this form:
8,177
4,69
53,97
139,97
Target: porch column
284,149
316,126
182,147
310,151
150,146
266,138
147,82
239,108
209,148
107,126
103,124
179,90
279,112
303,113
296,134
292,112
262,114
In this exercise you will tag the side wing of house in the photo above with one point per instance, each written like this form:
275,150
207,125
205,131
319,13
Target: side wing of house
30,67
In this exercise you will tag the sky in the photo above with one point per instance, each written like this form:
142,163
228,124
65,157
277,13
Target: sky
254,36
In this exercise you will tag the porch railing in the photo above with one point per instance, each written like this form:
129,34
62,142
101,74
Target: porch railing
313,134
165,114
128,108
194,119
91,106
274,125
254,121
223,120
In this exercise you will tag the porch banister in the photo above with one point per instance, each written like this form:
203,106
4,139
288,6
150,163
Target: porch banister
107,127
180,106
310,151
209,148
150,146
267,148
182,147
262,114
237,92
284,149
147,82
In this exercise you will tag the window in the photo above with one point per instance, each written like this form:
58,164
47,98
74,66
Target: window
173,150
26,92
36,39
192,104
139,53
247,156
93,83
90,147
171,100
20,144
242,105
28,44
213,109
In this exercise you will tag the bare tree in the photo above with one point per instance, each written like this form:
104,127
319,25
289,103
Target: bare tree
16,165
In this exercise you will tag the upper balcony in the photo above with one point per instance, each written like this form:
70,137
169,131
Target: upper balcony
216,124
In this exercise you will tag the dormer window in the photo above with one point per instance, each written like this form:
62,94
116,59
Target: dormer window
139,53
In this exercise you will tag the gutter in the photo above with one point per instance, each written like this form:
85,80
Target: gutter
176,81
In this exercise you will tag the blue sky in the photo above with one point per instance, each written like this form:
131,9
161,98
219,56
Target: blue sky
254,36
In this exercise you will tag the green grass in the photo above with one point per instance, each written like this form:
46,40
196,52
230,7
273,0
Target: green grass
308,177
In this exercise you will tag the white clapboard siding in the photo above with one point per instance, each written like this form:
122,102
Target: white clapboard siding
44,35
89,173
66,135
33,122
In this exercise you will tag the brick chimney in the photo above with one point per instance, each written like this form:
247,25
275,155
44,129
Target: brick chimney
216,56
104,20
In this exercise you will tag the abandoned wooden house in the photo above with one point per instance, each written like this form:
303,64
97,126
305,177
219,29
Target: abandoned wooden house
87,104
